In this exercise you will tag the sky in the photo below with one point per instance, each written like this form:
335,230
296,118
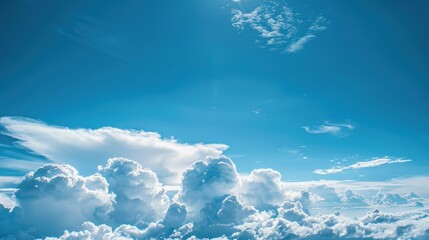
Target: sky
183,70
331,92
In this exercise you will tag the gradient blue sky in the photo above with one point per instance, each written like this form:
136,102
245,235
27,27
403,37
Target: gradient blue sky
181,69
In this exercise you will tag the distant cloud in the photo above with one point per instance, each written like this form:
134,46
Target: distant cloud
298,45
331,128
86,149
257,110
296,153
365,164
277,26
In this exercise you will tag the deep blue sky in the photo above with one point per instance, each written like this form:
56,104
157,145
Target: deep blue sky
179,68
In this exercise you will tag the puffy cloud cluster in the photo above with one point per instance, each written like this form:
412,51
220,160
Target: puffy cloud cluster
352,199
263,189
208,181
56,197
388,199
291,222
277,25
124,200
140,197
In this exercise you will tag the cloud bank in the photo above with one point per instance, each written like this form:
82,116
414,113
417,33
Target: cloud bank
89,198
85,149
124,200
364,164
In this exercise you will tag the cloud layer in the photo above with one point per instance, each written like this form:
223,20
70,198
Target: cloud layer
86,149
124,200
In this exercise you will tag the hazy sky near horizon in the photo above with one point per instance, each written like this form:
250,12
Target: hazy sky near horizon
334,90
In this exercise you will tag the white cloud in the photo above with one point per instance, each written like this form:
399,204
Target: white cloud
298,45
206,181
125,200
52,192
328,194
391,199
214,202
85,149
262,188
277,25
140,197
365,164
331,128
352,199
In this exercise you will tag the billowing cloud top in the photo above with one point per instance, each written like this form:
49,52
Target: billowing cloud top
86,149
124,200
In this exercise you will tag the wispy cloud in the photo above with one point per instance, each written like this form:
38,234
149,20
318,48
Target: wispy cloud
298,45
331,128
364,164
296,153
278,27
257,110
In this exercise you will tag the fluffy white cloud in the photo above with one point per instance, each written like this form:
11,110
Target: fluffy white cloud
327,194
388,199
263,189
291,223
85,149
364,164
56,197
140,197
207,181
124,200
352,199
277,25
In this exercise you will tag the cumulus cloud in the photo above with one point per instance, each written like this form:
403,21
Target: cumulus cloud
330,128
263,189
327,194
46,196
389,199
124,200
140,197
207,181
352,199
277,26
364,164
85,149
292,223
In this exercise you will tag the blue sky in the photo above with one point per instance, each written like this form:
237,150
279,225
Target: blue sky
182,69
197,119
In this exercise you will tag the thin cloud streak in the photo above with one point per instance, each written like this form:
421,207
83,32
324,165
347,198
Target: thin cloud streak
330,128
364,164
